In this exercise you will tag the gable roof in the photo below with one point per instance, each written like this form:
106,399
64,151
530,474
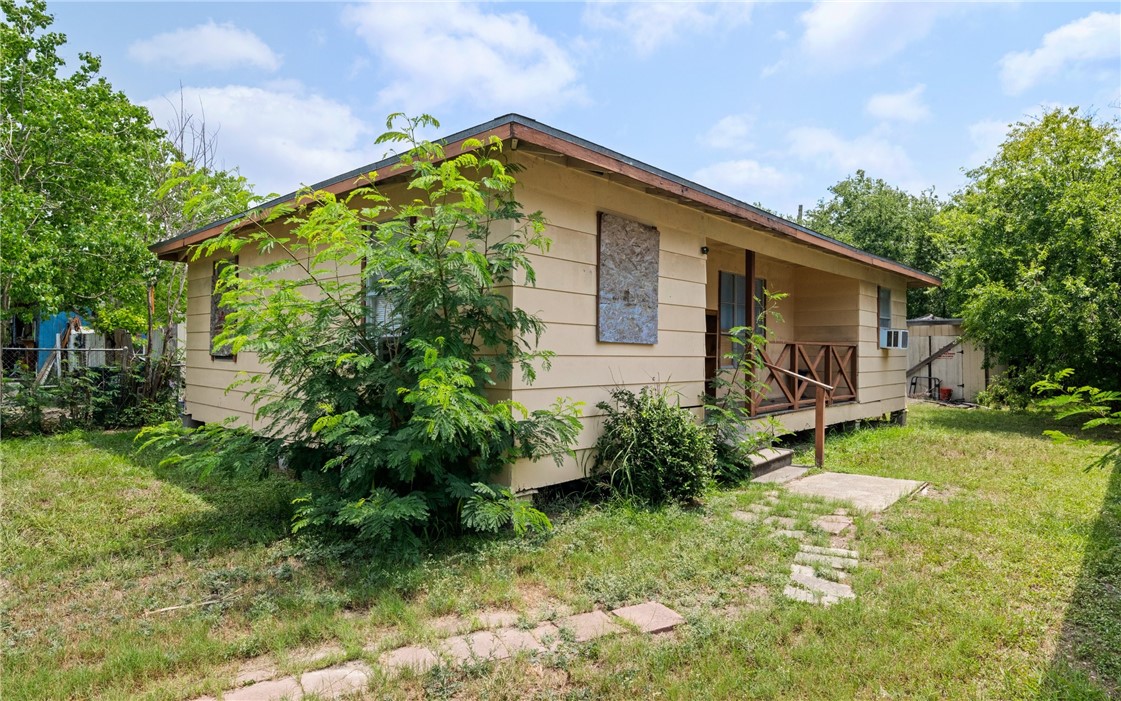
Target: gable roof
519,130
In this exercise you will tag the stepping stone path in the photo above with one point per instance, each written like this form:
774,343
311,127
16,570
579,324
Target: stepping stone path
805,584
499,640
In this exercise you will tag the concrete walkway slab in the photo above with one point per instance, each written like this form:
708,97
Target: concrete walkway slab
865,492
833,524
805,577
418,659
341,680
839,563
781,475
650,617
277,690
588,626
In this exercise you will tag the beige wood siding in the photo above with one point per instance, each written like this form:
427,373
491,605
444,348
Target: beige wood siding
830,300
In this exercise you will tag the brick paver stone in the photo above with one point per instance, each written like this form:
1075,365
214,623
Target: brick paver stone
348,678
838,552
745,516
276,690
650,617
841,563
418,659
588,626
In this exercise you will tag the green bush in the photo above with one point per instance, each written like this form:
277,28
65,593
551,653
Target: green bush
1012,390
377,395
85,398
652,449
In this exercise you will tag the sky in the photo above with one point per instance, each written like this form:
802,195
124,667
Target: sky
769,102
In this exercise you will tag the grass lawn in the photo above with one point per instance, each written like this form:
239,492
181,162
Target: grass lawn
1004,582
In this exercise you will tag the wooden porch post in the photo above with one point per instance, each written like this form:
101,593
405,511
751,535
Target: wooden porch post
819,428
749,292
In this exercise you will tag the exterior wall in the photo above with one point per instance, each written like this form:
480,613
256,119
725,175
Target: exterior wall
828,298
963,372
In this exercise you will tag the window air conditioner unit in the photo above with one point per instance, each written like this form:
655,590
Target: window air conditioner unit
894,338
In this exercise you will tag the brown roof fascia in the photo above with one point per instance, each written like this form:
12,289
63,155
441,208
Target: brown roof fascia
514,126
614,165
173,248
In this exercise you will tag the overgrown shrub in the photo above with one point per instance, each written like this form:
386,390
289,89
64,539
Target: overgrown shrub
652,449
1095,408
736,435
377,394
1012,390
85,398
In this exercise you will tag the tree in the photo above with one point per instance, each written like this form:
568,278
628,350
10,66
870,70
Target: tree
377,389
1036,249
884,220
191,192
75,177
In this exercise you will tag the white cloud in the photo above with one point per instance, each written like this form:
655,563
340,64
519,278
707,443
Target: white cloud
210,45
731,133
649,25
744,178
986,135
869,152
840,35
906,106
280,136
1096,37
441,53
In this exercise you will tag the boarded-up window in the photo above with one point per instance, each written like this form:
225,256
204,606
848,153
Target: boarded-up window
218,312
628,281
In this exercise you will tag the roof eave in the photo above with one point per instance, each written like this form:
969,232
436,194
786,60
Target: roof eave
528,130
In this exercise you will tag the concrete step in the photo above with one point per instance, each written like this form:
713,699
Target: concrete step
770,459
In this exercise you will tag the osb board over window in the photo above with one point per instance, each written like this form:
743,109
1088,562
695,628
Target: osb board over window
628,281
218,312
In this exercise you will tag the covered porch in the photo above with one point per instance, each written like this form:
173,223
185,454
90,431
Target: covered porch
813,334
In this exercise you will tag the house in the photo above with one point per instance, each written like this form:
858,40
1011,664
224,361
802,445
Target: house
646,273
942,364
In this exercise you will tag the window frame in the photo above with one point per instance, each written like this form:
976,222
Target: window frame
883,304
386,342
739,308
218,313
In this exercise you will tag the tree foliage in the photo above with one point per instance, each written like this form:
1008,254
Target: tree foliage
887,221
388,329
74,171
1096,408
1036,248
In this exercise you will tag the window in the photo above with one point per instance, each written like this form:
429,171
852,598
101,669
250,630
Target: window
218,312
383,323
885,307
733,311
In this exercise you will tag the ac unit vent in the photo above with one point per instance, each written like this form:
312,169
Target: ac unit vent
894,338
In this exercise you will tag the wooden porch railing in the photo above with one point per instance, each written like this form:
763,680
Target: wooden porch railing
828,368
819,408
